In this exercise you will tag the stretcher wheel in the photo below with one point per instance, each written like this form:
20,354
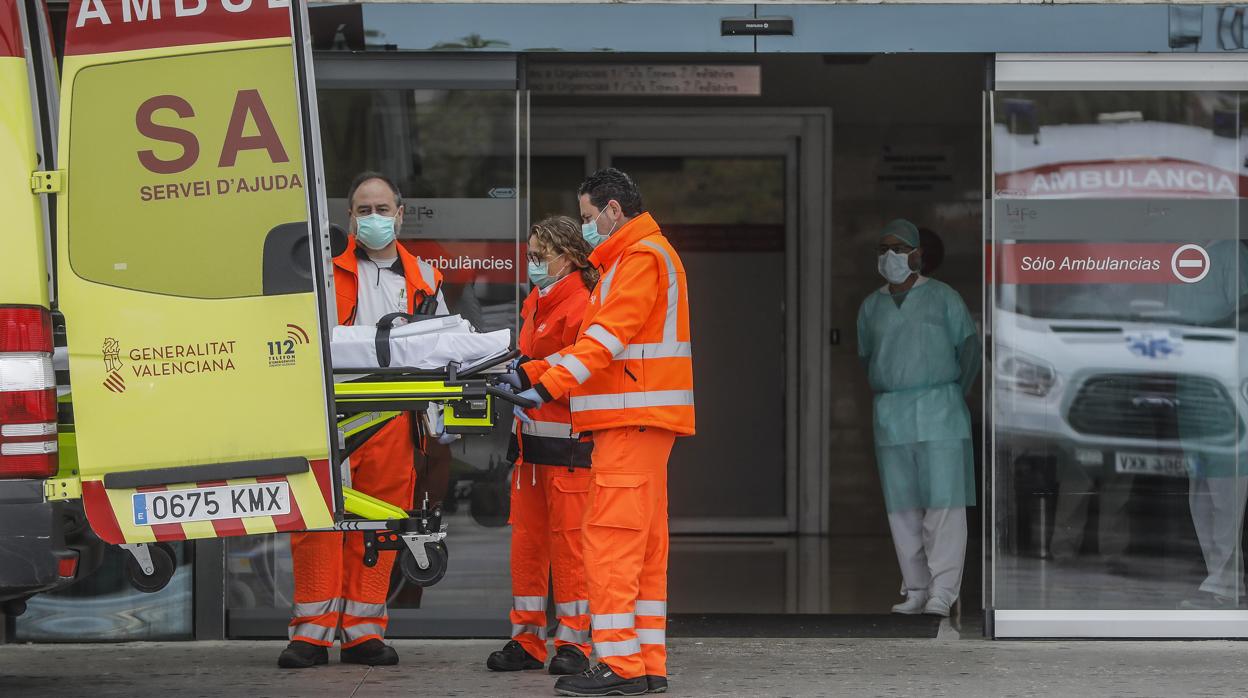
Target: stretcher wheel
438,558
164,564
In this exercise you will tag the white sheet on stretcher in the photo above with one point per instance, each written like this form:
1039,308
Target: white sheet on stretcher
428,344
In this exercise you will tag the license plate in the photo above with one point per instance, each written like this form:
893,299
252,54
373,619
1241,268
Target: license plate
211,503
1152,464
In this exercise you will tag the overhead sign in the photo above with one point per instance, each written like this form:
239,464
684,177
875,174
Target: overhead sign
646,79
1101,263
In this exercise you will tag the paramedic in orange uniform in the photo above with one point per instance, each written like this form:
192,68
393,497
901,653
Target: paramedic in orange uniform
629,376
374,277
550,482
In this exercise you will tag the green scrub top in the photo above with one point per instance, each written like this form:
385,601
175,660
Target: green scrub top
922,356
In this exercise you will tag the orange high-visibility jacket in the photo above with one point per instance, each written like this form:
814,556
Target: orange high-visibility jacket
632,364
551,321
423,280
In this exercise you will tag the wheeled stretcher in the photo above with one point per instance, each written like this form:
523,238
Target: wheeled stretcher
365,400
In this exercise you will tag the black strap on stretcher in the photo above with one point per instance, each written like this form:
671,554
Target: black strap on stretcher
386,324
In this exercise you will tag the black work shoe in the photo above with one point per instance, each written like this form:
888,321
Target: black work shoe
568,660
301,655
371,652
656,684
600,681
512,657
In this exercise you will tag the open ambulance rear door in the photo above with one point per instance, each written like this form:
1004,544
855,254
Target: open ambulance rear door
187,275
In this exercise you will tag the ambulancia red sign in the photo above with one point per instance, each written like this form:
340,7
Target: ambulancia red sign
1162,178
1101,263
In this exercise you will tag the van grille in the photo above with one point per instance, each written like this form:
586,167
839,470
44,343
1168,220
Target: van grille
1154,406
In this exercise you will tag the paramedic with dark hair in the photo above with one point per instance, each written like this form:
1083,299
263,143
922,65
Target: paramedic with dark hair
629,376
374,277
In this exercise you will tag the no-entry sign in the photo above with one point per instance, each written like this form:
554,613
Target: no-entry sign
1190,263
1101,263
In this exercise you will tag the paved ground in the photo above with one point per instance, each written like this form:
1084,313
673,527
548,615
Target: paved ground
719,667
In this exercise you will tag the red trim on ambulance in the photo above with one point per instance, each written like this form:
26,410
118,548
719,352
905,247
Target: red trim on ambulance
10,30
100,512
104,26
320,468
287,522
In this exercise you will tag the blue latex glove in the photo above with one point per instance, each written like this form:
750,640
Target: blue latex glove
519,411
512,378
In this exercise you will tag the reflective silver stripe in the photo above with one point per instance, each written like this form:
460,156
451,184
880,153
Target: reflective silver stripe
605,338
623,648
538,630
611,621
554,358
620,401
673,292
364,610
580,637
550,430
528,603
575,367
428,274
605,284
651,608
657,350
359,421
355,632
572,608
317,608
652,636
312,631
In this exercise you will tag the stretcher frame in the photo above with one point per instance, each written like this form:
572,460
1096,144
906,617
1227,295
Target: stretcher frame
365,400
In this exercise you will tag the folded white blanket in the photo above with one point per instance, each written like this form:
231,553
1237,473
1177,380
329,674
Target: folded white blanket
428,344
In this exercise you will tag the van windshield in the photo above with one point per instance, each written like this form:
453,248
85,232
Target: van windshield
1159,303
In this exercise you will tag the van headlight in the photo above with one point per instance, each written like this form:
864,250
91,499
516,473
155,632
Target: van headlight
1023,373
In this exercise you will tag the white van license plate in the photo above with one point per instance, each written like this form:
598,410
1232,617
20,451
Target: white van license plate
211,503
1151,464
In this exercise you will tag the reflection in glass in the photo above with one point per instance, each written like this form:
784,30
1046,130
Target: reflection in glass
1118,409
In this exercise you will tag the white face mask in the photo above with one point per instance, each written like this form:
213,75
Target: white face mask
894,267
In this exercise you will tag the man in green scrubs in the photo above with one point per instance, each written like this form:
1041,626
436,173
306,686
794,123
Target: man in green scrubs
922,353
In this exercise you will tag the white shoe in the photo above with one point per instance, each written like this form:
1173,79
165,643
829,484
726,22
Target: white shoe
913,605
937,606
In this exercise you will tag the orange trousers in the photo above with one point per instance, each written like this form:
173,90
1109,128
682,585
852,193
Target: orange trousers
547,507
625,547
332,585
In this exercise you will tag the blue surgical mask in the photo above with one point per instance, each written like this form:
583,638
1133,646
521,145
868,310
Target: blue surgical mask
589,231
374,231
539,274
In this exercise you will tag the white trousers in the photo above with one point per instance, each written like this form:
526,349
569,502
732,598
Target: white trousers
1217,506
931,550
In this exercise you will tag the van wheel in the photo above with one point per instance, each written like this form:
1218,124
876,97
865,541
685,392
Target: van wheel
164,563
438,558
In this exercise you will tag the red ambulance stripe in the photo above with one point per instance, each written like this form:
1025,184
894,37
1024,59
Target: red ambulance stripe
320,468
128,29
287,522
100,513
173,531
10,29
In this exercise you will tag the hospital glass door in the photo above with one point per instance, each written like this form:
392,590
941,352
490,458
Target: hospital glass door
1118,394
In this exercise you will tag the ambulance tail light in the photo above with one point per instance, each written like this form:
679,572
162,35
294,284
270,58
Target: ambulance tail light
27,393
